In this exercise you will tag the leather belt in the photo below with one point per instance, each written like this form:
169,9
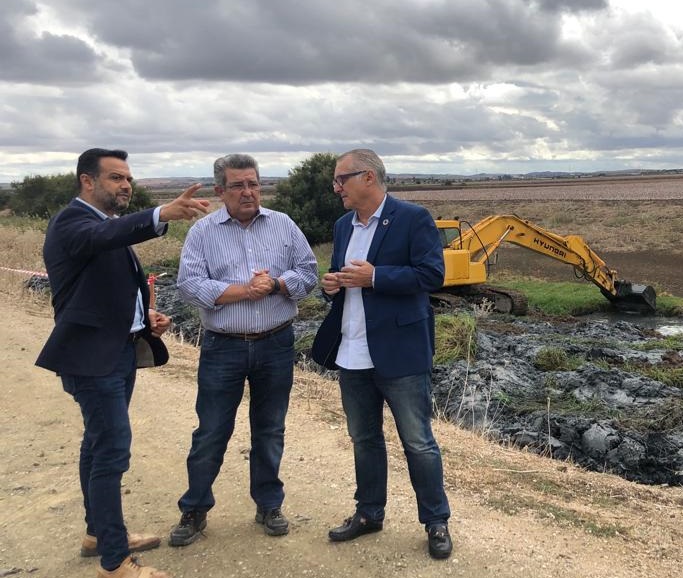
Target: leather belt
256,336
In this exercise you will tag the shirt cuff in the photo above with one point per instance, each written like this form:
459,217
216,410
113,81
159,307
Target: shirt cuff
160,228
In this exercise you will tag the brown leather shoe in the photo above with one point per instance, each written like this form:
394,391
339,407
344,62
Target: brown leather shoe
136,543
131,569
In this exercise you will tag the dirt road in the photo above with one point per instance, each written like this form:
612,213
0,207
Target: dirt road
508,506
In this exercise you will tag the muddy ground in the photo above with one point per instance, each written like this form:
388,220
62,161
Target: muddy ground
579,390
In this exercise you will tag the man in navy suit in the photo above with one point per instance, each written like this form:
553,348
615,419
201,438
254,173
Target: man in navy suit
103,330
379,333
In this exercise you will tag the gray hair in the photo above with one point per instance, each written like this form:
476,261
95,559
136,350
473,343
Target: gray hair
367,159
234,161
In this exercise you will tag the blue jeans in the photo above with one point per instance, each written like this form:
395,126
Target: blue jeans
105,452
409,399
224,364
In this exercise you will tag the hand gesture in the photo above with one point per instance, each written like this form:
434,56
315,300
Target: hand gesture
259,285
330,283
184,206
356,274
158,322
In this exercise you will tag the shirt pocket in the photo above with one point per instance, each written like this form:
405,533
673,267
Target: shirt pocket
277,259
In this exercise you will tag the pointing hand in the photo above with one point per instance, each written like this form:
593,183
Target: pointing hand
184,206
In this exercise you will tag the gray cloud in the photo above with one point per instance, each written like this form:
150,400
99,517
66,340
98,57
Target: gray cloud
459,85
41,58
309,41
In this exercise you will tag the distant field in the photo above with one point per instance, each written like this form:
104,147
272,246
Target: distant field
635,224
597,189
668,187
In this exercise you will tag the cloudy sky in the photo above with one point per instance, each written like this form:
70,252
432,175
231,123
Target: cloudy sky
434,86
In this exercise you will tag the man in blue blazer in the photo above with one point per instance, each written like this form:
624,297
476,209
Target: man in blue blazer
103,330
386,259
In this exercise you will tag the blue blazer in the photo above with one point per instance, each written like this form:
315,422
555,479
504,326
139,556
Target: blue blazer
95,277
408,258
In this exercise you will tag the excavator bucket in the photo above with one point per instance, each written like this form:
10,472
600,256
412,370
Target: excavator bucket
633,298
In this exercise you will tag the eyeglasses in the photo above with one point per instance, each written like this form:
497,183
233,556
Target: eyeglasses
339,180
237,187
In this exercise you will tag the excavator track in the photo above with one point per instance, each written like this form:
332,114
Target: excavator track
502,300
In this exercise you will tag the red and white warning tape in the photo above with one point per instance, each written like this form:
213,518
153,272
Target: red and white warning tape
150,279
25,271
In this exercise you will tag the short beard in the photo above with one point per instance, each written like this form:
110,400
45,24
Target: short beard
111,204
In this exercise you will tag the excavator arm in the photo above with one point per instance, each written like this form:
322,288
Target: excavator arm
467,254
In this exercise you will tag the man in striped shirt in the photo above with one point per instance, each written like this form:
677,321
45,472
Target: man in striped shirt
245,267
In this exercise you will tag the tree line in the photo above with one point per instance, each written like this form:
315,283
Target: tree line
305,195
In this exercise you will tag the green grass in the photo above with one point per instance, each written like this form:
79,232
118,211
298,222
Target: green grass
670,342
555,359
313,306
558,298
576,298
304,343
664,417
323,254
513,505
455,337
178,230
671,376
560,402
669,306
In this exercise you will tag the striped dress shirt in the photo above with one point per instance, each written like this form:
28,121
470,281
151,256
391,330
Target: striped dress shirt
219,252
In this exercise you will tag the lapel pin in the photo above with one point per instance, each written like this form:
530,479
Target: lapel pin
385,222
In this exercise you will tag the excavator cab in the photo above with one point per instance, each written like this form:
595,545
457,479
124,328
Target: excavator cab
449,232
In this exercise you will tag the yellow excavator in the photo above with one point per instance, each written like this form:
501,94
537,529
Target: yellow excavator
468,254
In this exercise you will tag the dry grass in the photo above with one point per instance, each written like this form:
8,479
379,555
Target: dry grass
21,249
158,250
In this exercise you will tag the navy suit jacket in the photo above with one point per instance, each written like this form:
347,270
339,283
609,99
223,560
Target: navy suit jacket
408,258
95,277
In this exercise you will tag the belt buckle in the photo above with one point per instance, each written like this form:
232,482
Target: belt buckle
261,335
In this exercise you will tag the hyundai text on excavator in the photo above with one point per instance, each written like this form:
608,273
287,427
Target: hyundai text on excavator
468,255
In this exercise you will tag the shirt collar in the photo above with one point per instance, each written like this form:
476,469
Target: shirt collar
222,215
374,217
100,213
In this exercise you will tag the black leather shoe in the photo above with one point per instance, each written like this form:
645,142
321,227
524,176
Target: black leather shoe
274,522
353,527
440,544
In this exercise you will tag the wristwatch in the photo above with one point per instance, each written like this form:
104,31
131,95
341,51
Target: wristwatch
276,286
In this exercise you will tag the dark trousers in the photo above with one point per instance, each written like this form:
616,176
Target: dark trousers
224,365
105,452
409,399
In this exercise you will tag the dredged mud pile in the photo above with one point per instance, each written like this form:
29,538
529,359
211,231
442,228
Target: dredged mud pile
600,411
